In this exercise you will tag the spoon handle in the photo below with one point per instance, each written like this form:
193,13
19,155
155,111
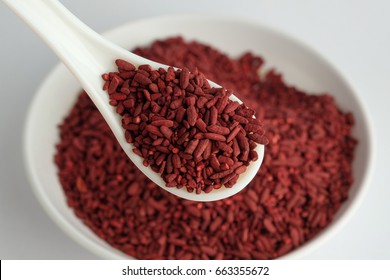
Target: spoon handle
79,47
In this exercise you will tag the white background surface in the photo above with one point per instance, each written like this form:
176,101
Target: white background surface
353,34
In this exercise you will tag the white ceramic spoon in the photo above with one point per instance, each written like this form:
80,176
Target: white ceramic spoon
88,55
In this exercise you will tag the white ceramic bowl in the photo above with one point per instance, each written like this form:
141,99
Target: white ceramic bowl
300,65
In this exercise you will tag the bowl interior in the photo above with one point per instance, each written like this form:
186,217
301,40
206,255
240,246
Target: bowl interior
300,66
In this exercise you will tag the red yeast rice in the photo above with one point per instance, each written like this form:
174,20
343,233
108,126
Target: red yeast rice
183,128
305,176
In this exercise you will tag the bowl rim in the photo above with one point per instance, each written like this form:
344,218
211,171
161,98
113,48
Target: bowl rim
297,253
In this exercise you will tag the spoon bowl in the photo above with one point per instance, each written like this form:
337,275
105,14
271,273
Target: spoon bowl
88,55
